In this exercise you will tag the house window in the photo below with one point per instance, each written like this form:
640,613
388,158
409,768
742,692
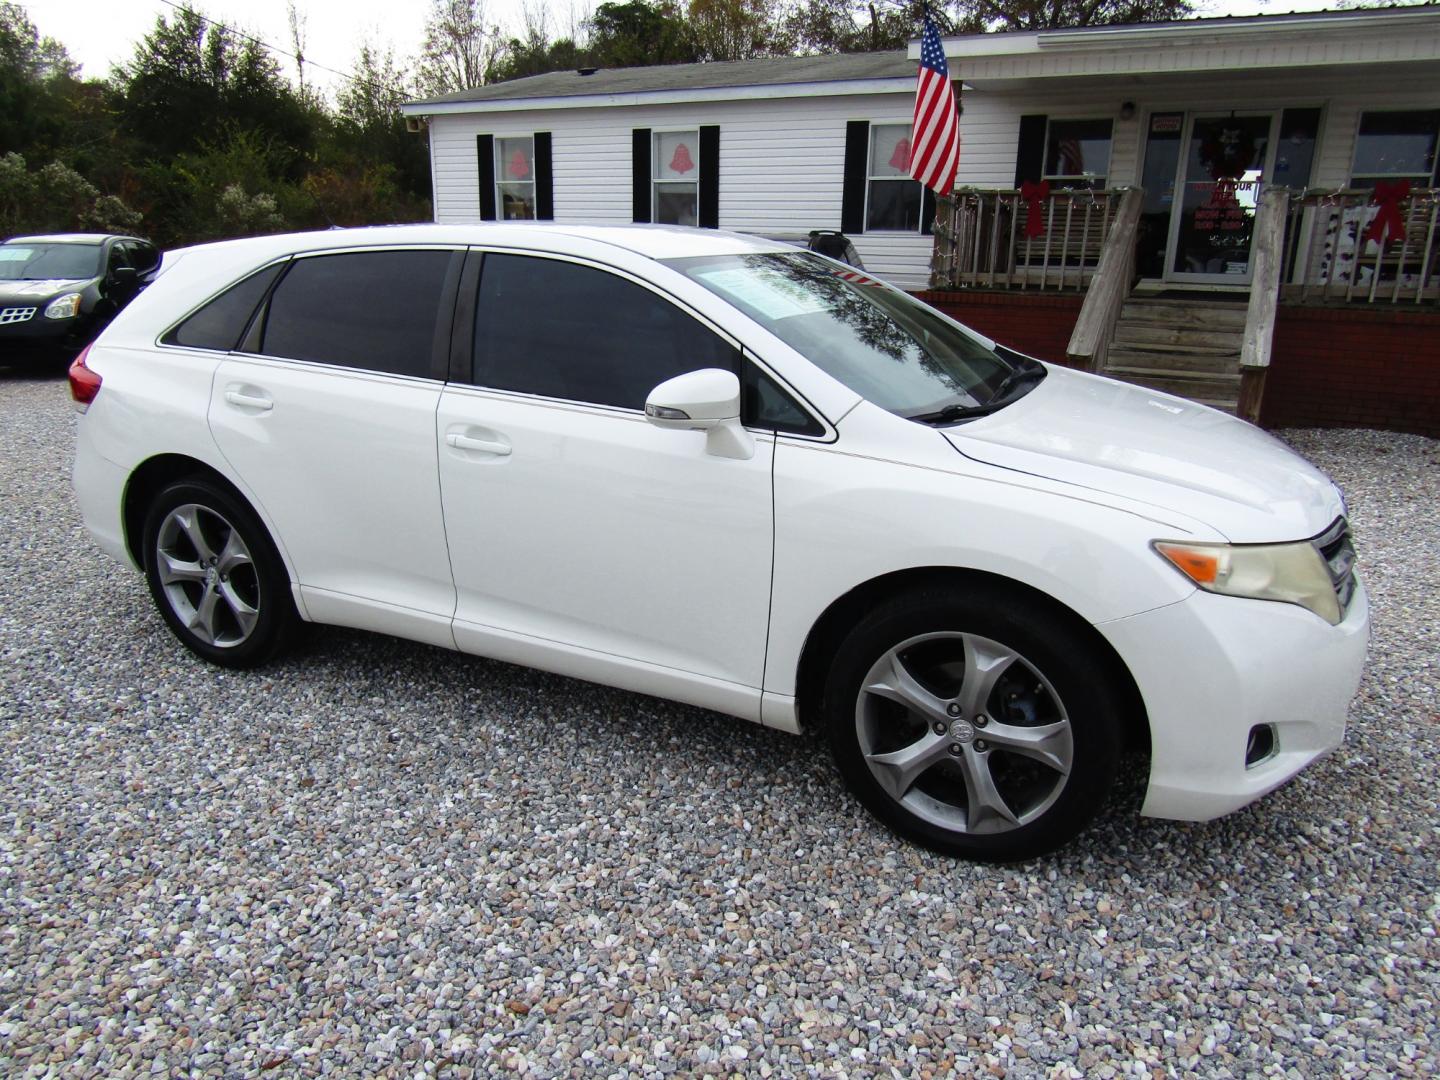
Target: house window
675,187
1396,146
1077,153
515,177
893,200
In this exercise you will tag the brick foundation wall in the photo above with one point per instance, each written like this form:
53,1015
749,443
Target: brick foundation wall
1330,367
1355,367
1033,323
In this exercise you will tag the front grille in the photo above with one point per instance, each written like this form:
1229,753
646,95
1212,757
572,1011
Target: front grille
1339,555
16,314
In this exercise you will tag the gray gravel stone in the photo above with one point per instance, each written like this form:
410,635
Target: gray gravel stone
377,858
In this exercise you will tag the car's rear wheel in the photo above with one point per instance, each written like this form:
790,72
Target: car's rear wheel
215,575
975,722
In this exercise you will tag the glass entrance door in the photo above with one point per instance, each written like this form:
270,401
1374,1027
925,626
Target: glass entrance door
1227,160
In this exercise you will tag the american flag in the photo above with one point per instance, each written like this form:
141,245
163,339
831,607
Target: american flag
935,137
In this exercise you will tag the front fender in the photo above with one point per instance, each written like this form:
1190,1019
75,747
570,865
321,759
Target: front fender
843,519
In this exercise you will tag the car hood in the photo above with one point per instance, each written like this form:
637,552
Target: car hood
1157,449
35,291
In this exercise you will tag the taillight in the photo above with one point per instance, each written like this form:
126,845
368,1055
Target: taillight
84,383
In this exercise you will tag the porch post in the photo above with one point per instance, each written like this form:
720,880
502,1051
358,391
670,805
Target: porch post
1267,253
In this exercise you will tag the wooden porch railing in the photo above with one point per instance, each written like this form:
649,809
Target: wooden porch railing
1114,274
1332,253
981,239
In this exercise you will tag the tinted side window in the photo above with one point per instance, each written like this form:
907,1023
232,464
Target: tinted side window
375,310
565,331
219,324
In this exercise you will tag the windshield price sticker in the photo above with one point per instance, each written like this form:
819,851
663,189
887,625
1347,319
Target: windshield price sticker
14,254
770,295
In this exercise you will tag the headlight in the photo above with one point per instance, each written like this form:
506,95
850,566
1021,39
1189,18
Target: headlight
64,307
1291,573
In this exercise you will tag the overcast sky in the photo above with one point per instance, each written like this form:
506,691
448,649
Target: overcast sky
101,33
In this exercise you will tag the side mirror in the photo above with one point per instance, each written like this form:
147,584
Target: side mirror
707,400
125,276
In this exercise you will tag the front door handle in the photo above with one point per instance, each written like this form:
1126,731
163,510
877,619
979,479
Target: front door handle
484,446
248,401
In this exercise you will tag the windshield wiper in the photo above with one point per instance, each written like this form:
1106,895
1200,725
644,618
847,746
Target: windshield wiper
1017,378
1003,396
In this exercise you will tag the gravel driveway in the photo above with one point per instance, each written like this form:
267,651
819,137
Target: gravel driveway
382,858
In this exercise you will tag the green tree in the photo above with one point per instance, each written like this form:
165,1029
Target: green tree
460,47
521,57
1054,14
55,199
738,29
848,26
638,34
369,130
532,52
36,77
189,74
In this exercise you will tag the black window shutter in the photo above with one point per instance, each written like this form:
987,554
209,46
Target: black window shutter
640,174
857,159
709,177
485,157
1030,154
544,179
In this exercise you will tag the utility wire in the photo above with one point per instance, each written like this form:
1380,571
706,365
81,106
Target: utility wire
275,49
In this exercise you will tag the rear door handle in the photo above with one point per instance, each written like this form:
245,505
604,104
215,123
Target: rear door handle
248,401
484,446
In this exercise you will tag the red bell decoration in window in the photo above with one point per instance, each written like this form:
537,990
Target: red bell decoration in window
681,162
900,159
518,168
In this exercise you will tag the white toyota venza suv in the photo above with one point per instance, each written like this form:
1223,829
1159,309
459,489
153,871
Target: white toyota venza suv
723,471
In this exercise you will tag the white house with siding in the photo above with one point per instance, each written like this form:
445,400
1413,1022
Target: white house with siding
782,146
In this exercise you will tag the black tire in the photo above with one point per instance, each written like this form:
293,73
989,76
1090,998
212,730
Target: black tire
215,570
1048,733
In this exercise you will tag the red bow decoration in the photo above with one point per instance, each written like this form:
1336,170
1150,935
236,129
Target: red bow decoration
681,161
900,159
518,168
1386,198
1035,196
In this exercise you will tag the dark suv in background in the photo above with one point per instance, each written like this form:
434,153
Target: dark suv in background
57,292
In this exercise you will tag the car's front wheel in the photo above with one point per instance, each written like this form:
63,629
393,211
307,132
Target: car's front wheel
215,575
974,722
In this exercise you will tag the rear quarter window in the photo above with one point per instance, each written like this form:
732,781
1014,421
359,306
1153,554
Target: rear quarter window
219,323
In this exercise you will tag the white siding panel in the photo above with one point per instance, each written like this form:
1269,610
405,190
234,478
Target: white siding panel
781,166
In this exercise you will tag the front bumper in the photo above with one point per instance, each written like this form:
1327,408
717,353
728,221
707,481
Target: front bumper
1211,668
39,333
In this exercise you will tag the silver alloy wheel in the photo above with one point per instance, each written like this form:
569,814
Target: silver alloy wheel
208,575
964,732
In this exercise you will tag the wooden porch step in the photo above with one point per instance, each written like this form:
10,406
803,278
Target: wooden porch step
1156,338
1208,315
1133,356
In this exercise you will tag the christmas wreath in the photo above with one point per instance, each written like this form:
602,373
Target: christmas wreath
1227,153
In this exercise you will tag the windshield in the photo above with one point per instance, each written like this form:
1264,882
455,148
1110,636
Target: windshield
880,342
49,262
